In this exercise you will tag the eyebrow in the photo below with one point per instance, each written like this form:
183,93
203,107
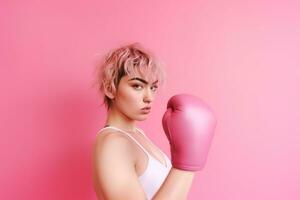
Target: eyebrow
142,80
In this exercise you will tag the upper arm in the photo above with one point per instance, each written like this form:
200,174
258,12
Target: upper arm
113,169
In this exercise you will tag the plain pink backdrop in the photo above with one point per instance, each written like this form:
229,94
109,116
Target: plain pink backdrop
241,57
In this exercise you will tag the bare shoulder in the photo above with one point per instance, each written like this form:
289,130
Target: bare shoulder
107,135
112,140
114,168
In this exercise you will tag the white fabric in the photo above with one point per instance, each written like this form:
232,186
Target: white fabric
155,173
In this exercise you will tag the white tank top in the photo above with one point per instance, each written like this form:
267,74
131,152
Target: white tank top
155,172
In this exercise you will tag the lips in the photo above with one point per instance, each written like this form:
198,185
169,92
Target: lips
146,108
145,111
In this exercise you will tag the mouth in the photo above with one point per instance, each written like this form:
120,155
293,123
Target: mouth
146,108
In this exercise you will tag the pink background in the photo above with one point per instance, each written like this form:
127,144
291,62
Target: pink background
241,57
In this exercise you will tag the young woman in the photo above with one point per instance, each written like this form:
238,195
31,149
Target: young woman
126,163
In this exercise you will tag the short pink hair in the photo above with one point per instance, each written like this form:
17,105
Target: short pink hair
131,59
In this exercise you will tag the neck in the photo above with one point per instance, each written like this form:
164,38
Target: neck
119,120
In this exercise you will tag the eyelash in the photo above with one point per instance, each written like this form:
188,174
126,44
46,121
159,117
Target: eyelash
141,86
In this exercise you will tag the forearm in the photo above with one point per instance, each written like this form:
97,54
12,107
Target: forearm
176,186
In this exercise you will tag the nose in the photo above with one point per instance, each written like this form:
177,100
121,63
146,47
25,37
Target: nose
148,95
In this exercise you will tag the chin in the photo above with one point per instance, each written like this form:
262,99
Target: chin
142,118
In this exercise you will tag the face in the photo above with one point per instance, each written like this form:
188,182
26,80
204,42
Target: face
134,94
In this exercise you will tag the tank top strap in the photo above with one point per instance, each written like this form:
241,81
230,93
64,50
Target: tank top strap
141,131
128,136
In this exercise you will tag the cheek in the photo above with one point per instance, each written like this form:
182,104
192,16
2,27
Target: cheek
131,97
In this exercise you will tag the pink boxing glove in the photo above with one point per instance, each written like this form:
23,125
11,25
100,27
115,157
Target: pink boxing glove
189,125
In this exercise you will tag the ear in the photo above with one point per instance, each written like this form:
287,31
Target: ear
108,91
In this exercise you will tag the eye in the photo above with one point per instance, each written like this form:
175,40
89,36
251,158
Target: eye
155,88
136,86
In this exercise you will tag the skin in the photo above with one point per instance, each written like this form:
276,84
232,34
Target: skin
115,156
130,98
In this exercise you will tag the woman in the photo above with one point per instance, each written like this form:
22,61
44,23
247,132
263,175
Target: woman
126,164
